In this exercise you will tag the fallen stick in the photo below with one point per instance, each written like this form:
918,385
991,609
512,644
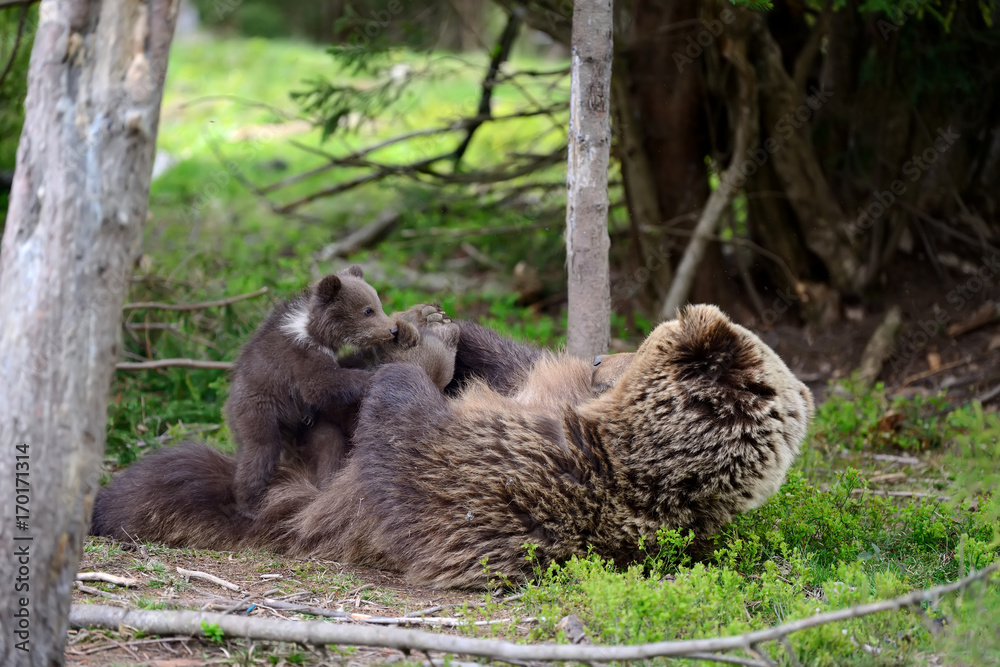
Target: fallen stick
437,621
987,313
107,578
989,395
439,607
321,633
880,347
83,588
156,305
362,238
135,642
928,373
168,363
195,574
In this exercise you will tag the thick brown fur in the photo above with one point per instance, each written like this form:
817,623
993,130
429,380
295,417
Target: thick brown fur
287,376
173,496
425,337
184,495
435,353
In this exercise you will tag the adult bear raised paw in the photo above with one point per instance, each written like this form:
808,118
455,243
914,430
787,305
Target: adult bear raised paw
701,423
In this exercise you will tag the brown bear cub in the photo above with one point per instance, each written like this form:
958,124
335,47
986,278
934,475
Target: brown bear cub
287,376
185,495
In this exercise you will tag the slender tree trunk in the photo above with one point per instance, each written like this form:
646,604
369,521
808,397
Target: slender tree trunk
74,226
587,241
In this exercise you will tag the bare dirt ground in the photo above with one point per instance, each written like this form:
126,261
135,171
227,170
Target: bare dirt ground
966,366
263,576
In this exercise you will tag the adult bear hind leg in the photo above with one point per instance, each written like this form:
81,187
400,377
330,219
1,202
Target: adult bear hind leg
401,403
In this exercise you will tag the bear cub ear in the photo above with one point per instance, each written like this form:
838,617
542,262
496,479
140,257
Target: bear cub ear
354,270
328,288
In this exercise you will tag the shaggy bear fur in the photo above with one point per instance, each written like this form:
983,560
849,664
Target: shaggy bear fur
700,423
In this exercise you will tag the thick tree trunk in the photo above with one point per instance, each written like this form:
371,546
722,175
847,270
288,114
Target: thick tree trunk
73,231
744,117
785,112
666,66
587,242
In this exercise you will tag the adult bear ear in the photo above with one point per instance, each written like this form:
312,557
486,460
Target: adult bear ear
354,270
328,288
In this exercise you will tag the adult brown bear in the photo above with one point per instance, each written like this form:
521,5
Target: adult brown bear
702,422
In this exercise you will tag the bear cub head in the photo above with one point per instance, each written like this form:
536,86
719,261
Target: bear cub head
343,310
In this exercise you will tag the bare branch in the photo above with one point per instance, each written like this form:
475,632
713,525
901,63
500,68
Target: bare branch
107,578
383,171
173,363
363,237
804,60
21,23
195,574
439,607
90,590
14,3
195,306
436,621
746,113
880,347
500,55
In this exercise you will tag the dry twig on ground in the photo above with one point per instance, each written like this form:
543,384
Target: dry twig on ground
107,578
195,574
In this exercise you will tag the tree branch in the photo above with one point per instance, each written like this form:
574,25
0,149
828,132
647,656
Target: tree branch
21,22
322,633
195,306
173,363
500,55
804,60
14,3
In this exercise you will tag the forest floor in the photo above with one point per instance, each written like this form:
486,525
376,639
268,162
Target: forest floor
965,366
261,578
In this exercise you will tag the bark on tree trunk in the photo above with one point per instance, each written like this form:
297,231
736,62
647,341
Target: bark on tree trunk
795,161
587,241
73,232
744,117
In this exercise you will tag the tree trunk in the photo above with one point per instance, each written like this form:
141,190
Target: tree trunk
744,118
797,165
74,227
587,241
